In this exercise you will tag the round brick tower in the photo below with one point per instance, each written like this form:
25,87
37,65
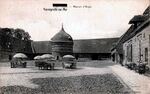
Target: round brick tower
62,44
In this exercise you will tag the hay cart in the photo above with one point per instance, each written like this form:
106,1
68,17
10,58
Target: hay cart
69,61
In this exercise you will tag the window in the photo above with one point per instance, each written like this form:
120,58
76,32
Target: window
146,54
57,58
129,53
149,41
143,35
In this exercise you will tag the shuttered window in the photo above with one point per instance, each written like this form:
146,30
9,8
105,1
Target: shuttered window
146,54
129,53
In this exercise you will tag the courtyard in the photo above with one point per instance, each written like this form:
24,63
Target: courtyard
100,47
91,77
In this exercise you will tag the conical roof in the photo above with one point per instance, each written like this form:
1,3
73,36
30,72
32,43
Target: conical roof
62,36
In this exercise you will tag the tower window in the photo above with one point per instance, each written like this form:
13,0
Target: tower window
57,57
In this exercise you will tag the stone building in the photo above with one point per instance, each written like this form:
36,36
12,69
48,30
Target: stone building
135,43
62,44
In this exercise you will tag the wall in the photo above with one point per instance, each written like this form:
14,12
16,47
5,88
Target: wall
92,56
139,42
59,49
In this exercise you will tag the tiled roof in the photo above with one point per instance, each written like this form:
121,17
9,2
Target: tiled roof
137,18
94,45
41,47
62,36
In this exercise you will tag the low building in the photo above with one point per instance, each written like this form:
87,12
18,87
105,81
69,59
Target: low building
41,47
87,49
135,43
93,49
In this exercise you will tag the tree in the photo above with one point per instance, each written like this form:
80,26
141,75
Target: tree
27,36
6,37
21,34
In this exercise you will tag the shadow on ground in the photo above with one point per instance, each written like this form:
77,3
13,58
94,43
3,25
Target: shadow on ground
86,84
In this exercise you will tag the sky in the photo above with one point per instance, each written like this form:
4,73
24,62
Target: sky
101,19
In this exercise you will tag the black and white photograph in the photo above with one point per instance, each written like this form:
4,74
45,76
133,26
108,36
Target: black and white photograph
74,47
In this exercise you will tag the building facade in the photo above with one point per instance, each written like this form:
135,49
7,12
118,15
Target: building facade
137,48
134,45
93,49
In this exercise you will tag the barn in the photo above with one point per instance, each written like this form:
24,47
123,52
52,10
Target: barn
83,49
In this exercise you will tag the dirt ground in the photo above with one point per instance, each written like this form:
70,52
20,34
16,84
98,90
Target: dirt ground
92,77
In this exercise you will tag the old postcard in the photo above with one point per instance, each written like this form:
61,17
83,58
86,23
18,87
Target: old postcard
74,47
